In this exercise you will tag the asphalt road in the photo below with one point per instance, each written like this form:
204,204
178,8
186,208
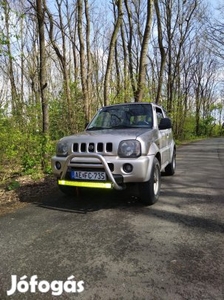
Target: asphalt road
120,249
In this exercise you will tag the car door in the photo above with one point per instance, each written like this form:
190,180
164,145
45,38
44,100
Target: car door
164,138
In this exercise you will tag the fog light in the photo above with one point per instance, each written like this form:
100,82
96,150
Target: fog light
127,168
58,165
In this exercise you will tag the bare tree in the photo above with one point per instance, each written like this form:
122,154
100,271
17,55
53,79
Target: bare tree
43,79
143,55
215,32
83,71
61,52
87,67
42,67
130,36
162,50
118,3
89,97
9,57
204,78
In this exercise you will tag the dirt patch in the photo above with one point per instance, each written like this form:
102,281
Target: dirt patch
27,190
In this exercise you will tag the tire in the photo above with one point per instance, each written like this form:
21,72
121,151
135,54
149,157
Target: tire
171,167
149,191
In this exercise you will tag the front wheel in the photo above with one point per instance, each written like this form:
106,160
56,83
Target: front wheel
149,191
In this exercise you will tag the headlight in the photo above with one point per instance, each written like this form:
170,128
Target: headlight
62,149
129,148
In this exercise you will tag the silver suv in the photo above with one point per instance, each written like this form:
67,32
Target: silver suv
124,146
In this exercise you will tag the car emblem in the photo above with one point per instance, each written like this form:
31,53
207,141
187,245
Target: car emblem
91,147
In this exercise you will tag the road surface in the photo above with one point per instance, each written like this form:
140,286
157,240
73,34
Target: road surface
118,249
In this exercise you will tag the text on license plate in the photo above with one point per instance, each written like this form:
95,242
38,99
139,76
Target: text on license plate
87,175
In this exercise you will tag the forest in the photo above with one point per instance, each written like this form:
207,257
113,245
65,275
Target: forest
61,60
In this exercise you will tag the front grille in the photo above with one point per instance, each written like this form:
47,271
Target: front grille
92,147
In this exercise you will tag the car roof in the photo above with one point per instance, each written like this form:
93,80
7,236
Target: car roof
132,103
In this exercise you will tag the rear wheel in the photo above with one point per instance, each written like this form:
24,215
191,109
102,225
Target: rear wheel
149,191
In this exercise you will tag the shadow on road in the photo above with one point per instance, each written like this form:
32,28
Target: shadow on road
200,223
171,206
46,194
88,201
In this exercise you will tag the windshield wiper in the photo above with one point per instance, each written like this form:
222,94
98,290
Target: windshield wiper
112,127
120,126
96,128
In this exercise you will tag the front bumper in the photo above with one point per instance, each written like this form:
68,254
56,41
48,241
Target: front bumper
141,169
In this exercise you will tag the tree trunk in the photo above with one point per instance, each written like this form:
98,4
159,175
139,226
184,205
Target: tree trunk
143,56
82,59
112,49
43,80
129,47
62,60
162,52
14,94
89,100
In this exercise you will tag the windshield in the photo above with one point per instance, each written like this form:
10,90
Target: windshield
123,116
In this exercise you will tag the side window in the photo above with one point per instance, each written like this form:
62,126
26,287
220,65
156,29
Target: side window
159,114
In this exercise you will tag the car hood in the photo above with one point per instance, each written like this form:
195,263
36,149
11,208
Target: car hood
108,134
111,139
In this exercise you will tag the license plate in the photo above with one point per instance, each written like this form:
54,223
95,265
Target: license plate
87,175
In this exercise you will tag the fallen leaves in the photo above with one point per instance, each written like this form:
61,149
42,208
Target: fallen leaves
26,190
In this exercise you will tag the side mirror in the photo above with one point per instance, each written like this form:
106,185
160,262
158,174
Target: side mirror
165,123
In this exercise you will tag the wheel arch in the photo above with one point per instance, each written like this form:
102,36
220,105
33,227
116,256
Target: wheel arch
150,165
158,156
